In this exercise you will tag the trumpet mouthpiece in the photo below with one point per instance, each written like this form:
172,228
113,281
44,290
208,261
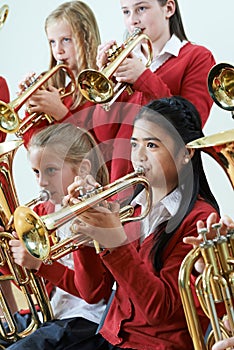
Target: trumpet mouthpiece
44,195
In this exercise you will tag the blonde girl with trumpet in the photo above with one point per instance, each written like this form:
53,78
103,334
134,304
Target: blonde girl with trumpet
57,154
73,37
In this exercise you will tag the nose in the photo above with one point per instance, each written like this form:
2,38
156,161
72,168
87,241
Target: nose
141,154
134,19
42,180
58,48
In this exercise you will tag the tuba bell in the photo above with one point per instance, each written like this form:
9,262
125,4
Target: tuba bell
221,85
31,287
9,119
35,231
216,283
97,86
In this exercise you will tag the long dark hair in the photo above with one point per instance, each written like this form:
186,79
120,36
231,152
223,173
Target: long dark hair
176,24
182,122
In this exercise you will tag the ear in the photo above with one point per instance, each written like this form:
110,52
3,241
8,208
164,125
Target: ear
170,8
84,168
189,155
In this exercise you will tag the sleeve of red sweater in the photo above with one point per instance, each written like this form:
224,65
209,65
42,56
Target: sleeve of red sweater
185,75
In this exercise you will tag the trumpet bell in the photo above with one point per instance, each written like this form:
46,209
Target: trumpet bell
219,146
221,85
9,120
95,86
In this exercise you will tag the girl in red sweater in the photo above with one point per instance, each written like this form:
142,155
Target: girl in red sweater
144,259
179,67
73,37
57,154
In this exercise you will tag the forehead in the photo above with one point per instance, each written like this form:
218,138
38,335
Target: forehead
42,156
58,28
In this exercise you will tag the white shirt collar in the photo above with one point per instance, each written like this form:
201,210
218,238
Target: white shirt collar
171,48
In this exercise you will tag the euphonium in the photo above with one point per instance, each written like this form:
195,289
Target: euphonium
216,283
97,86
9,119
32,287
34,231
221,85
4,10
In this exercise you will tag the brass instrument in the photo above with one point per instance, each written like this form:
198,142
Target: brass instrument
221,85
97,86
216,283
34,231
220,147
31,287
9,119
4,10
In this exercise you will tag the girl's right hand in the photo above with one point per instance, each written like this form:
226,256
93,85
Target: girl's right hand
26,82
102,54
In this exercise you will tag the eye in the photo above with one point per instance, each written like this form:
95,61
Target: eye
51,171
67,40
36,172
52,42
126,12
133,144
152,145
141,9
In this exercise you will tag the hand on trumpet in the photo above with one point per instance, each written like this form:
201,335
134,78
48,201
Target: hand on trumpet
129,70
101,222
47,101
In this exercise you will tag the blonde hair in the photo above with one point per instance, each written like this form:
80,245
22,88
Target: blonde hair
85,31
72,144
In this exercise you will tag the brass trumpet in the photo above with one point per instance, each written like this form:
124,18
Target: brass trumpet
221,85
97,86
4,10
34,231
9,119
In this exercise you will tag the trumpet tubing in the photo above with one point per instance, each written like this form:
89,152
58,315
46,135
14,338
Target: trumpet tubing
9,119
34,231
4,10
30,285
97,86
214,285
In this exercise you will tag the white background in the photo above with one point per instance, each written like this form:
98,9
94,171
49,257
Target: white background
24,48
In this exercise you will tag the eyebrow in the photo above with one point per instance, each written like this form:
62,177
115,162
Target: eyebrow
147,139
136,4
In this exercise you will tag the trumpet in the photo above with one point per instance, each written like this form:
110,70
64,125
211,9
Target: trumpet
221,85
4,10
97,86
35,231
9,119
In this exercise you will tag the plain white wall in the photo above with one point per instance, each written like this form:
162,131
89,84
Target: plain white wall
24,48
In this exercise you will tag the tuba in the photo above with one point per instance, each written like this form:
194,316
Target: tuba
9,119
35,231
4,10
216,283
31,287
97,86
221,85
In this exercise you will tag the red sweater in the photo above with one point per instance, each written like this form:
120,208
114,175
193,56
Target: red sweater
185,75
5,97
146,312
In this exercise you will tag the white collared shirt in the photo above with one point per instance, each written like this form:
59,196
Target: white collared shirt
162,211
171,48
